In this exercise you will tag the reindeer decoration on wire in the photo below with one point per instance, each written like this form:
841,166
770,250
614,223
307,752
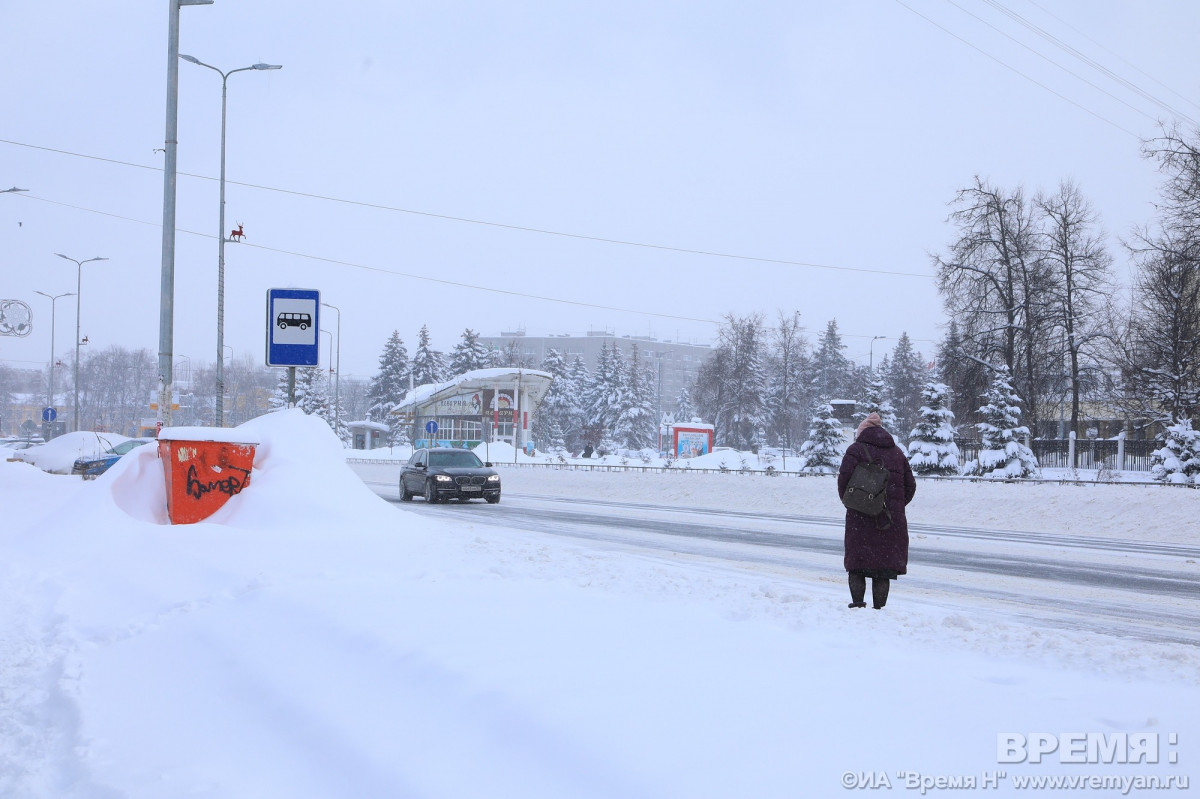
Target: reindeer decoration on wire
237,234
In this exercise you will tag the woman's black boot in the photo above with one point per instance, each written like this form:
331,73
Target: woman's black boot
879,591
858,591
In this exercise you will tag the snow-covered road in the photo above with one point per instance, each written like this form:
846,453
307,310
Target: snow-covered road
1133,589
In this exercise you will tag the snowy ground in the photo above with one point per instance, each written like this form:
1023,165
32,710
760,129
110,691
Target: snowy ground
314,640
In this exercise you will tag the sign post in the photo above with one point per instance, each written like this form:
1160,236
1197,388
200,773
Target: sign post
293,319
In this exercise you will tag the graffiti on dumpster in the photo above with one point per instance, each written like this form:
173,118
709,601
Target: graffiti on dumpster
229,485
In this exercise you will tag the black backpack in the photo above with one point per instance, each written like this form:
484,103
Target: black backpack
867,490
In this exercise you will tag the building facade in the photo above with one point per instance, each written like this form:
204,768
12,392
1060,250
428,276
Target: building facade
676,364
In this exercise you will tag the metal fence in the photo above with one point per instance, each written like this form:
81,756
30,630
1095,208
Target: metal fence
1054,453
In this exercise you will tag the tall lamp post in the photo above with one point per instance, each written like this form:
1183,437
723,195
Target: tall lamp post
337,377
53,315
871,356
78,291
220,404
13,190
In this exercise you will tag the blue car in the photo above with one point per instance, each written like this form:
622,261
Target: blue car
91,468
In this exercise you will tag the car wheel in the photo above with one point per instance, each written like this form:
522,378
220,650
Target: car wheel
430,492
493,500
405,494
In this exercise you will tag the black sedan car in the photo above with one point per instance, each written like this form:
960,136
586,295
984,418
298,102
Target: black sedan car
444,473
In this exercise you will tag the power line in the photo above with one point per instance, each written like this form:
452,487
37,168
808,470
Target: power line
1079,55
1011,68
1115,54
1051,61
381,270
486,223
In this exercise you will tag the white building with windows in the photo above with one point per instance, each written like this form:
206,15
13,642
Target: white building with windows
676,364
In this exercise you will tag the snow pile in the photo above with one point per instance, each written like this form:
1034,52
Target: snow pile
313,640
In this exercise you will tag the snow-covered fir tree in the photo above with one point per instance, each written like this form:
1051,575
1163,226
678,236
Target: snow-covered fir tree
685,411
1178,460
469,354
832,371
905,377
1002,456
826,443
559,409
635,425
428,365
931,447
875,401
388,387
603,391
579,377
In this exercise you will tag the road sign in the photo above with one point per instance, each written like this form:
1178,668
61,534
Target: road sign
431,427
49,414
293,319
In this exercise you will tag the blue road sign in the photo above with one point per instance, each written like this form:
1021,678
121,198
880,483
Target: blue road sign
293,319
431,427
49,414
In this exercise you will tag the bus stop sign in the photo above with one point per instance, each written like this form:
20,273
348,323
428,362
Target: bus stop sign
293,319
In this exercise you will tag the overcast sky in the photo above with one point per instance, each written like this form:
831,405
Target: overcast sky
556,167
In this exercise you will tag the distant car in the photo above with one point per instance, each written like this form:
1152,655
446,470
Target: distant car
91,468
445,473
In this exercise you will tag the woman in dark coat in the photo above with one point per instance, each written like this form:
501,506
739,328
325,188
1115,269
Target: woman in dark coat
873,548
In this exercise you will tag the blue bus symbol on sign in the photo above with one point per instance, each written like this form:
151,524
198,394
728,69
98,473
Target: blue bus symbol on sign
293,321
431,427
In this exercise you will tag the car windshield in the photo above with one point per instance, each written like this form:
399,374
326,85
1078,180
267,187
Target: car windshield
453,460
125,446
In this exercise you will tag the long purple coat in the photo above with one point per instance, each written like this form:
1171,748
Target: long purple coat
868,548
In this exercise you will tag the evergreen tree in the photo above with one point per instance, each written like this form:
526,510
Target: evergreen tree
965,376
1001,454
469,354
604,390
905,377
931,447
685,411
1178,460
279,396
823,449
634,426
312,393
831,369
428,365
873,401
388,387
578,378
558,409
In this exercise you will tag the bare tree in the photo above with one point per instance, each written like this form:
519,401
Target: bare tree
788,392
994,281
1081,275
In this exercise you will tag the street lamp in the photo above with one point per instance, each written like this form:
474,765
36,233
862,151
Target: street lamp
337,378
220,405
78,341
871,350
53,315
13,189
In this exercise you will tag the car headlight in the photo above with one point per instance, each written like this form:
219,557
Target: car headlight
443,478
493,478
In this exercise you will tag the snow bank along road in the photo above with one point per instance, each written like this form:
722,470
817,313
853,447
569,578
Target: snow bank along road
1101,583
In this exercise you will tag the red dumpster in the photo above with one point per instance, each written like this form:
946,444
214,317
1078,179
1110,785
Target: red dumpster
204,467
